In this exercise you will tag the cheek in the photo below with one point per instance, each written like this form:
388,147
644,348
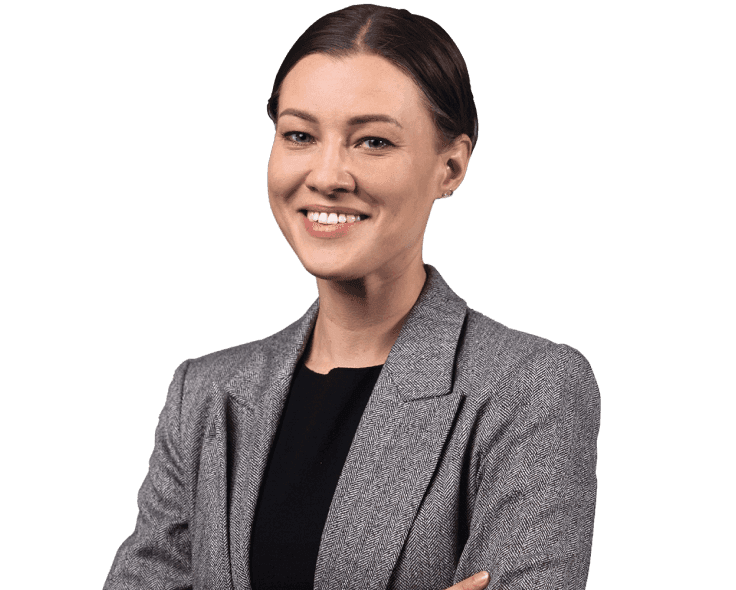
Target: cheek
283,176
402,185
387,180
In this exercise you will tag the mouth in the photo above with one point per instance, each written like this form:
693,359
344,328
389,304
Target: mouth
332,218
331,224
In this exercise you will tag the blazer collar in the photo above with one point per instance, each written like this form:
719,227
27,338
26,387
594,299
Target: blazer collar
421,360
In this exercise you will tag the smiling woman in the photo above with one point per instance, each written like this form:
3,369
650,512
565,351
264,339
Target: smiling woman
391,437
354,138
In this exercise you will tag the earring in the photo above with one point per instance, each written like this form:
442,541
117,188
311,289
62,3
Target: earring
447,194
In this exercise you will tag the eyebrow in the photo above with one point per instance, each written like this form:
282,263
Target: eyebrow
353,121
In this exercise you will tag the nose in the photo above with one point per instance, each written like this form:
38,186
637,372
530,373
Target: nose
329,172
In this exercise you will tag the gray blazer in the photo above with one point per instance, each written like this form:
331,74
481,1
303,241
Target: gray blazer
477,451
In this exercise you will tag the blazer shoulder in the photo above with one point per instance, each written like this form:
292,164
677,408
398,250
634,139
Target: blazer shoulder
508,343
254,361
497,356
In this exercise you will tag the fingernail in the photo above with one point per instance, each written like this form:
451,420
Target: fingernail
480,577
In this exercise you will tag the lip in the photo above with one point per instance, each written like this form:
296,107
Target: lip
328,209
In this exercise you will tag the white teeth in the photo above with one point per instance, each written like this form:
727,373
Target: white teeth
332,218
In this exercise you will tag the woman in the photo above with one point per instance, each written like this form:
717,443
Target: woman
391,437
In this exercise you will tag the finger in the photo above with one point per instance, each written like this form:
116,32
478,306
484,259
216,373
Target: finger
474,582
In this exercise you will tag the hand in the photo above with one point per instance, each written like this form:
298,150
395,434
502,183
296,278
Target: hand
475,582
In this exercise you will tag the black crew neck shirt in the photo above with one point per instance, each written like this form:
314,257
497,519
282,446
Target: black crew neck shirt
317,426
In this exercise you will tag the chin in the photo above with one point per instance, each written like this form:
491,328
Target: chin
332,272
332,268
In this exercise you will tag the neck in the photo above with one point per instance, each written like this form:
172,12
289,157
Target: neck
359,320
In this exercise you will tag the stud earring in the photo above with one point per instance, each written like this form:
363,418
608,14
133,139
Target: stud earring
447,194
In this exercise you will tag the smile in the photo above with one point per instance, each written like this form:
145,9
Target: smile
321,224
332,218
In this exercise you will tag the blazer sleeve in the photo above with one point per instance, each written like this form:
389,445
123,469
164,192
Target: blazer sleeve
531,525
158,553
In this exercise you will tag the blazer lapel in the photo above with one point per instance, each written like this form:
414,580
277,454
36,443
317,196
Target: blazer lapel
396,447
258,396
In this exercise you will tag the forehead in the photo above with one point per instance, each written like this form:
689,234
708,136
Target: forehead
346,86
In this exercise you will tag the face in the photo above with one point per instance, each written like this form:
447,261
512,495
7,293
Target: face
353,138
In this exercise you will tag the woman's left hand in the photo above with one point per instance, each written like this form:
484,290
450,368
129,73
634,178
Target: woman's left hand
475,582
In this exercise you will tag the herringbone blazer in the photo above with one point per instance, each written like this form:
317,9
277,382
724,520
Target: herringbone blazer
476,451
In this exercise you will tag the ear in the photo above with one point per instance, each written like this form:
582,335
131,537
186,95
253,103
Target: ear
455,159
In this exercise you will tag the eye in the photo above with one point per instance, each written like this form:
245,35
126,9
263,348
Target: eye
375,143
298,137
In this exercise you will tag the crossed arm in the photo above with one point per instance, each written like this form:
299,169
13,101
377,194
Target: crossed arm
532,522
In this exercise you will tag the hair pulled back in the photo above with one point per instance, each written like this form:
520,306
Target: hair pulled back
415,44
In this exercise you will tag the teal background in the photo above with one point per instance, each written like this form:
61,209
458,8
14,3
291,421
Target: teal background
135,232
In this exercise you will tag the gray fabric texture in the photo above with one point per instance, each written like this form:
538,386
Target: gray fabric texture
477,451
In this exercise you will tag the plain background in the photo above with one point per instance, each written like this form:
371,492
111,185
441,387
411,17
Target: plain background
136,233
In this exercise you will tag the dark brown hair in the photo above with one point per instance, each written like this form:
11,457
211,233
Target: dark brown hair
417,45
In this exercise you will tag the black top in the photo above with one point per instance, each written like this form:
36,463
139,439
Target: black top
312,442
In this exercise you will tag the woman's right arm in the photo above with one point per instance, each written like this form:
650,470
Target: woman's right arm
158,553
